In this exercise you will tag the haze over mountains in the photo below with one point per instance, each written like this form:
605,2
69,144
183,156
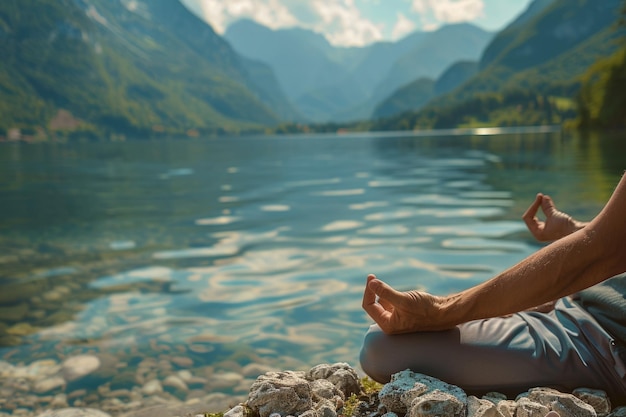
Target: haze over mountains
328,83
152,67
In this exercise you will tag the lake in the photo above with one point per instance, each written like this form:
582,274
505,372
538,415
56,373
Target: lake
226,257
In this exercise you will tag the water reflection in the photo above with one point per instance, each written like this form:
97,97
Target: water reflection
254,250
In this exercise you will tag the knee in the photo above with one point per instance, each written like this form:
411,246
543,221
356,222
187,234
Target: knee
374,354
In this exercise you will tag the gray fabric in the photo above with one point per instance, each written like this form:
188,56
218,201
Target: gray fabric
564,349
606,302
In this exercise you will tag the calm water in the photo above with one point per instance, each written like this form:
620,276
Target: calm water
255,250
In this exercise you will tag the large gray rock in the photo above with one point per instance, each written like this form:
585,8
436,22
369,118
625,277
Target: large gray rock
437,404
564,404
285,393
598,399
342,375
477,407
528,408
405,387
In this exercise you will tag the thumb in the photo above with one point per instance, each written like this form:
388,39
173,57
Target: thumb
382,290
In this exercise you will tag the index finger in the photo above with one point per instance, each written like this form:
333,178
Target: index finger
530,216
376,311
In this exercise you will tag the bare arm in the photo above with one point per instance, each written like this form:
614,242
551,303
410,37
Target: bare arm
572,263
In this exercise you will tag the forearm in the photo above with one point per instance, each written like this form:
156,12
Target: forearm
586,257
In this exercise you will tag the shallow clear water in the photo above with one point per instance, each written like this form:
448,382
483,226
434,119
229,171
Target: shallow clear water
255,250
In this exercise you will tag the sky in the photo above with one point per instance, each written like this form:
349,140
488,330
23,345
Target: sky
359,22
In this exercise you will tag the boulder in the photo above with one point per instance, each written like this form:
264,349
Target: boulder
286,393
342,375
437,404
598,399
564,404
406,387
477,407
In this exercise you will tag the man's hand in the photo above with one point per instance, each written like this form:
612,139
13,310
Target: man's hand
403,312
556,225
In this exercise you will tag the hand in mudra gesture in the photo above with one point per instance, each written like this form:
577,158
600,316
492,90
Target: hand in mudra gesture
556,225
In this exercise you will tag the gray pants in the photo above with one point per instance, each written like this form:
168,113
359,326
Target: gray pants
564,349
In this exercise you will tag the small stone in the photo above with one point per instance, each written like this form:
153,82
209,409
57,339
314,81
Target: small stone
507,408
528,408
437,404
59,400
185,375
477,407
78,366
494,397
598,399
48,384
152,387
175,382
182,361
74,412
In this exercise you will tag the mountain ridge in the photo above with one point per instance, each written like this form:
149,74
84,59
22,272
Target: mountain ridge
126,67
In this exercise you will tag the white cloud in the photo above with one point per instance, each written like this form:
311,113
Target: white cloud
339,20
343,23
449,11
220,13
403,27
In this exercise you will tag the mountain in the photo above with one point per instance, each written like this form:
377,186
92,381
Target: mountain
456,75
409,97
533,66
329,83
127,67
431,57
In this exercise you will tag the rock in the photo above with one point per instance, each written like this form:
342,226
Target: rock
185,375
326,410
48,384
175,382
74,412
598,399
564,404
59,400
287,393
507,408
78,366
477,407
494,397
406,386
340,374
528,408
237,411
324,389
152,387
437,404
182,361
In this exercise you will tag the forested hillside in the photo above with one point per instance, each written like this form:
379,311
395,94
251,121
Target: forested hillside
602,99
530,73
125,68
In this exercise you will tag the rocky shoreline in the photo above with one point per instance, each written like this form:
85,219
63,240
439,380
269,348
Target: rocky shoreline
49,388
